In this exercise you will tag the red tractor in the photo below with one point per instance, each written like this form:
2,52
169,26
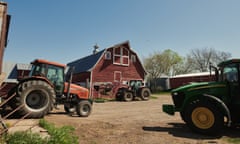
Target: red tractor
46,87
132,89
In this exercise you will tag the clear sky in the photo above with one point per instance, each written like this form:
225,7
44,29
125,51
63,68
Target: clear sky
66,30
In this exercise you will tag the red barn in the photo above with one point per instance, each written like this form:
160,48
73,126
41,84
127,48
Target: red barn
108,68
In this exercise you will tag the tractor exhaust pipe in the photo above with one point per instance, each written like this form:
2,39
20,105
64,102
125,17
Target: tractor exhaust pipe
69,82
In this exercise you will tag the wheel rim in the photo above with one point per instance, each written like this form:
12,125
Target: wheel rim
85,109
203,118
128,96
36,100
146,94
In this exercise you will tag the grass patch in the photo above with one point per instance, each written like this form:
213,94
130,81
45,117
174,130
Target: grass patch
25,137
153,97
61,135
102,100
162,93
234,140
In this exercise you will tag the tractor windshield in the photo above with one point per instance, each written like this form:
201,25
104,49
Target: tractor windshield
38,70
229,73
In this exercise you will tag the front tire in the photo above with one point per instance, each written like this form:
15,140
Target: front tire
204,117
37,98
84,108
128,96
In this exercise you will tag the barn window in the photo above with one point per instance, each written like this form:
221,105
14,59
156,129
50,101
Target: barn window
117,76
108,55
121,56
133,58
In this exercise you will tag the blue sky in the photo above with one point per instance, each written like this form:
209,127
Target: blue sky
64,31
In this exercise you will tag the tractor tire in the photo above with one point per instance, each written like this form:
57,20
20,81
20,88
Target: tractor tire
36,97
145,94
128,96
204,117
84,108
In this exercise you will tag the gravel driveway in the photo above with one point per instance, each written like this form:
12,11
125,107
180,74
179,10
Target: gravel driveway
137,122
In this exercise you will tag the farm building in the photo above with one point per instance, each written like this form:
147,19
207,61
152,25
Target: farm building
104,71
13,72
180,80
167,83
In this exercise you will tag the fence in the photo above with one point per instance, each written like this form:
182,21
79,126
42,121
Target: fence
4,116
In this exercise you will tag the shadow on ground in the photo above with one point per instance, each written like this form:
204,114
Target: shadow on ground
181,130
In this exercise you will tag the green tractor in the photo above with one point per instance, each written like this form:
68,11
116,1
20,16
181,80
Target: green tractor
207,106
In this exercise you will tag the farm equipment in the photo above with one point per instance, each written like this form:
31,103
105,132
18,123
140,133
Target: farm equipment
207,106
133,88
46,87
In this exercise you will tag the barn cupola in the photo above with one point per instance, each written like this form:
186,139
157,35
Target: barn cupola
95,51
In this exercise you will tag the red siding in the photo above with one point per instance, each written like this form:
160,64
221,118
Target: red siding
180,81
82,77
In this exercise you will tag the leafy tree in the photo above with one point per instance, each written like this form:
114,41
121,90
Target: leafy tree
184,66
159,64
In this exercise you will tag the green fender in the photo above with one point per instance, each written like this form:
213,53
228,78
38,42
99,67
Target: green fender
225,108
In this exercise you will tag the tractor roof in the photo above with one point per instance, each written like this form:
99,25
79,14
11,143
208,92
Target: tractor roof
47,62
230,61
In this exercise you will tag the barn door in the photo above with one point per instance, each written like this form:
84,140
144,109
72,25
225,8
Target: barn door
117,76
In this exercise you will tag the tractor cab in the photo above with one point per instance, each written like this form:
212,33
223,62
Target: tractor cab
50,71
229,73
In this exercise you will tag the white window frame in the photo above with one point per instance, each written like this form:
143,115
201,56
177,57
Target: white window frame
133,58
121,56
108,55
115,73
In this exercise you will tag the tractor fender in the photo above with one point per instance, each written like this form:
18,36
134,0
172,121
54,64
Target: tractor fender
36,78
219,101
13,90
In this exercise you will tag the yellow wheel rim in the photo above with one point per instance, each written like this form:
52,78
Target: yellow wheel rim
203,118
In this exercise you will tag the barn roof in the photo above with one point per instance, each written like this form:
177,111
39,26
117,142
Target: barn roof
86,64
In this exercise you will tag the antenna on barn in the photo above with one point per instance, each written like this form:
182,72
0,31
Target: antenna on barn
95,49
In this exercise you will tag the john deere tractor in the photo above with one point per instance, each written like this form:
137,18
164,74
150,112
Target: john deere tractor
47,86
207,106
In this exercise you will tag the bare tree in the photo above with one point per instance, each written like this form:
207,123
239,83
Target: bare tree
201,58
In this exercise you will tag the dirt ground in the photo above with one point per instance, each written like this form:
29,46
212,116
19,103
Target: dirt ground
134,123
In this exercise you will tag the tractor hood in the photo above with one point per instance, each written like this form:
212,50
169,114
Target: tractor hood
184,93
193,89
81,92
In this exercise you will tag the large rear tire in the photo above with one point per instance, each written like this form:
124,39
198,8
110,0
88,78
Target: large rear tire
36,97
204,117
